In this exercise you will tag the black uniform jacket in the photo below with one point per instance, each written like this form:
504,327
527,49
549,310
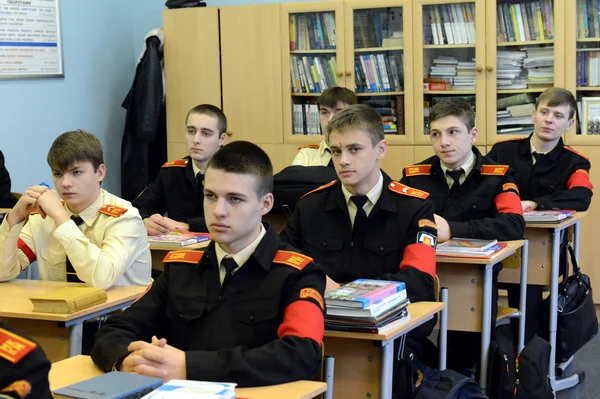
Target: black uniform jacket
175,191
6,198
486,205
560,180
398,242
263,326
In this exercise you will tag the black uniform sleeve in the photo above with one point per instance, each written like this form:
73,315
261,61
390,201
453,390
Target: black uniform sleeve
296,355
292,231
145,318
197,224
153,199
6,198
493,154
578,194
507,222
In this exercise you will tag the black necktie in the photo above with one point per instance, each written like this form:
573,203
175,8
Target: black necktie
229,265
71,273
199,180
455,175
360,220
538,157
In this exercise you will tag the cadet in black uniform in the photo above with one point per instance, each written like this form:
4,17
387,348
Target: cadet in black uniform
7,200
366,225
549,175
248,310
474,197
177,190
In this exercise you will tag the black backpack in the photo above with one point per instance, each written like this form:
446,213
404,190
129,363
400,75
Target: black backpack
502,374
293,182
448,384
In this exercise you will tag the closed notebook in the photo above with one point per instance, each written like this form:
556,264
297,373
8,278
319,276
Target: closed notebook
68,299
113,385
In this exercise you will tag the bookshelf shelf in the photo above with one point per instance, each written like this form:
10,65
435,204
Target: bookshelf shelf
517,91
306,94
374,49
526,43
588,88
326,51
589,40
441,46
450,92
383,93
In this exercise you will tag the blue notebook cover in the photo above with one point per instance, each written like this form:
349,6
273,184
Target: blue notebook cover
113,385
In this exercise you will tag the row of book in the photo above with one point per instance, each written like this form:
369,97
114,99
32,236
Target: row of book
588,68
379,72
312,31
367,306
521,22
514,114
381,27
588,18
451,74
449,23
312,74
305,119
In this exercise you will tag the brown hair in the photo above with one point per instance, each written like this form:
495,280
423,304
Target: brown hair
75,146
210,110
456,108
557,97
358,116
335,95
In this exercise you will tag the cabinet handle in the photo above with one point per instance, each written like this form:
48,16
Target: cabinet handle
479,69
340,74
489,68
348,73
229,133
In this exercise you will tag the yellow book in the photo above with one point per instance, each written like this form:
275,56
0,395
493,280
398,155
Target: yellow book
513,15
540,23
68,299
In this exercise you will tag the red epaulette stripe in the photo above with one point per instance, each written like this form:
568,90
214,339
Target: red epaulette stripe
417,170
331,183
493,170
14,347
178,162
400,188
313,146
293,259
144,293
112,210
184,256
566,147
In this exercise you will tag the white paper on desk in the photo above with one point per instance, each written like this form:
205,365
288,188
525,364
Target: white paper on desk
184,389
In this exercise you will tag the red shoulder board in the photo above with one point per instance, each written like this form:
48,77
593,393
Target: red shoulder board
178,162
417,170
184,256
331,183
313,146
494,170
112,210
14,347
406,190
293,259
566,147
511,139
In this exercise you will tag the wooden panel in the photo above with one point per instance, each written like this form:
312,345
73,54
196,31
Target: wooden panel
251,66
192,63
423,152
538,264
281,155
357,367
176,150
465,291
396,159
53,339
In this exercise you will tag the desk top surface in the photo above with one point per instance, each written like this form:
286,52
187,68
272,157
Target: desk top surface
558,225
15,294
511,247
5,210
79,368
419,313
163,247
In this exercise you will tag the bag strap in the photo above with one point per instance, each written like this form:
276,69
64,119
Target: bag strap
576,269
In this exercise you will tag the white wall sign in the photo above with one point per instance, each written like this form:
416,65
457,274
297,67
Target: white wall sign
30,45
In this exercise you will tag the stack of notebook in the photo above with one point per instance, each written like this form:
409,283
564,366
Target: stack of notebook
369,306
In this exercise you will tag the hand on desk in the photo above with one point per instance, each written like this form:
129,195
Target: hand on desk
155,359
529,206
158,224
443,228
331,285
25,205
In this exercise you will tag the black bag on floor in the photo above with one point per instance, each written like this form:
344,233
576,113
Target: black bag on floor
576,322
448,384
293,182
502,374
533,370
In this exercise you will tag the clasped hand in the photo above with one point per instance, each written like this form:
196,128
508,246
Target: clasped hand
155,359
38,198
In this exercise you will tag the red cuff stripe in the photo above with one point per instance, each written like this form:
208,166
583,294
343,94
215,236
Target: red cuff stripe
509,202
26,250
419,256
303,319
580,178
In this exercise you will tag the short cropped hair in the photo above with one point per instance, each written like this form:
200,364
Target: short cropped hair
210,110
335,95
359,117
75,146
557,97
244,157
456,108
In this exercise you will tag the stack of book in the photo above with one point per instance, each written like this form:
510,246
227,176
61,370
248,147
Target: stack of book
175,239
514,114
509,65
368,306
547,216
540,66
469,248
193,390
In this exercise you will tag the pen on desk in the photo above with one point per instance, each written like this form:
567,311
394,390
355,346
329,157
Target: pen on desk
44,184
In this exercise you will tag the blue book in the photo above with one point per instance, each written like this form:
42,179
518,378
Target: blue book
362,293
113,385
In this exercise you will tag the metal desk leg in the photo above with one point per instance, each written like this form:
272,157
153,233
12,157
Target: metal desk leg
576,233
443,328
486,321
387,367
75,339
328,376
523,296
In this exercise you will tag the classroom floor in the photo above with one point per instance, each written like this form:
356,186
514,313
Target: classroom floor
586,359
